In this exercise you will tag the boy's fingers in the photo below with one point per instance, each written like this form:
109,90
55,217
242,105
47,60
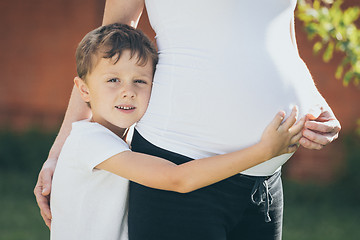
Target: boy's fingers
291,119
298,127
295,139
276,122
293,148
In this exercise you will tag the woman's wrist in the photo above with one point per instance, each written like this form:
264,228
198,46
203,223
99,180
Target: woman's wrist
53,155
50,162
52,159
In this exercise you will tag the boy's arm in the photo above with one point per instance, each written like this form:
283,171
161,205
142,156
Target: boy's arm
159,173
162,174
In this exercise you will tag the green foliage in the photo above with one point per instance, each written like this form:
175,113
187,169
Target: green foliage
334,29
25,152
358,127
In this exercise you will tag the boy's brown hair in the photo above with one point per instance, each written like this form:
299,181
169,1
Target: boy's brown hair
109,41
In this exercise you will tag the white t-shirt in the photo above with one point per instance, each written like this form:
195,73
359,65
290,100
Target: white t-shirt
88,203
225,69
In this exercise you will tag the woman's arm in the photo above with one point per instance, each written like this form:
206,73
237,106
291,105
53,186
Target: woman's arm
123,11
292,33
77,110
162,174
321,127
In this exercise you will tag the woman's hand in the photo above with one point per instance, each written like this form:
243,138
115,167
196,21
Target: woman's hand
42,189
321,128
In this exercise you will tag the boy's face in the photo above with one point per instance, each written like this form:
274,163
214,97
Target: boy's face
118,93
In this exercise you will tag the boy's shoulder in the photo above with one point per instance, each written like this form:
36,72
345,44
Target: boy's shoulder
90,143
94,135
86,128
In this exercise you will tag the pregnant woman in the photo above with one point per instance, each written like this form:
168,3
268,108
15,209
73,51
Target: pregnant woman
225,68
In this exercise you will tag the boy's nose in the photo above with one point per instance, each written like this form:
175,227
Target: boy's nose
128,92
128,95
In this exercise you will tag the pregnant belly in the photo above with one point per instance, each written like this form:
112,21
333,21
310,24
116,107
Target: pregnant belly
239,121
201,116
226,123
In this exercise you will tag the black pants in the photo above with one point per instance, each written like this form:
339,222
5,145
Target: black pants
239,207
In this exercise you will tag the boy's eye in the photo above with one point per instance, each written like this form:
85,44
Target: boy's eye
140,81
113,80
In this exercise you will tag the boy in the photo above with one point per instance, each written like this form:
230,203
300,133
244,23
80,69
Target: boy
115,65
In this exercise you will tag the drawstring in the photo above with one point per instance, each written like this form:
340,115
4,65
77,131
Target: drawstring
260,195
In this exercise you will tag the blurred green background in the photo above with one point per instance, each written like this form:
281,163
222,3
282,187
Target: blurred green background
312,211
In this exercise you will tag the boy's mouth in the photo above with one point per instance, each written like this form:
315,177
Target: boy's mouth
125,108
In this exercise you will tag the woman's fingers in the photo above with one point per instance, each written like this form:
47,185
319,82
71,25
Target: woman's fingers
306,143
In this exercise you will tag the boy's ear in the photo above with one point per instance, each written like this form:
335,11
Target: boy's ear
83,89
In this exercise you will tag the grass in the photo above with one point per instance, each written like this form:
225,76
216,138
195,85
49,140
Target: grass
326,212
21,157
311,212
317,213
20,217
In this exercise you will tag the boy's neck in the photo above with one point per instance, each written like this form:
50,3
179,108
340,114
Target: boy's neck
121,132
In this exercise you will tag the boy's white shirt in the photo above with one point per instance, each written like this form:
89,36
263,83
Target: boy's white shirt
87,203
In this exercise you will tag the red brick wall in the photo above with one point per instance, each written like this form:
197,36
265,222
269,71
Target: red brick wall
38,39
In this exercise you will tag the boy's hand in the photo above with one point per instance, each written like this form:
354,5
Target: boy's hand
43,188
283,137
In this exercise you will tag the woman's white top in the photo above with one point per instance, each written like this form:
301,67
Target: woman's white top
225,69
